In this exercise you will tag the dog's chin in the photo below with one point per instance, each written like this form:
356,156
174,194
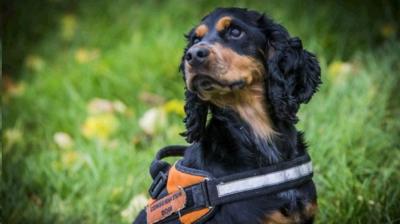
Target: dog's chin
206,86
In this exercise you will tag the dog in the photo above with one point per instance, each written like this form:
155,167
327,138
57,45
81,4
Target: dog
245,80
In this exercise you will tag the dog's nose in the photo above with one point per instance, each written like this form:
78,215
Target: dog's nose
197,55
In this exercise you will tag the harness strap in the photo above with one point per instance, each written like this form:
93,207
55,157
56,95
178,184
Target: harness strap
279,177
203,194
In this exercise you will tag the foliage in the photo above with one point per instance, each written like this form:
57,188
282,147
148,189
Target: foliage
78,140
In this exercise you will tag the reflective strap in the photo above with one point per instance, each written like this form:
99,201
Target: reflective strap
207,192
265,180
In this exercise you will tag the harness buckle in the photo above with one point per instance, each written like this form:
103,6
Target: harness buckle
158,184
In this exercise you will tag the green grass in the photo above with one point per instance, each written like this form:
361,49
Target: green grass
119,50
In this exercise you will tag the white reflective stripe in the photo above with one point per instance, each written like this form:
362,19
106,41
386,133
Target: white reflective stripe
251,183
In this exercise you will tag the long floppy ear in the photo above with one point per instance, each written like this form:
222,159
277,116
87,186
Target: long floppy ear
196,117
293,73
196,109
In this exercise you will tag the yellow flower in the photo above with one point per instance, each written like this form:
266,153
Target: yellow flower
11,137
100,126
116,192
69,158
68,26
34,62
84,56
338,70
388,30
175,106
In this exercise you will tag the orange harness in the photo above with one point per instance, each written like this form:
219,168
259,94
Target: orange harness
185,195
177,180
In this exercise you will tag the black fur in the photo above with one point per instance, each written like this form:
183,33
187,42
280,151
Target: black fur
225,144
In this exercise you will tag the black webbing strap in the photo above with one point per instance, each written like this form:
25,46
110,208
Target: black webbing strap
206,193
213,184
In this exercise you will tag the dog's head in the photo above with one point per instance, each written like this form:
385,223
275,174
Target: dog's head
236,58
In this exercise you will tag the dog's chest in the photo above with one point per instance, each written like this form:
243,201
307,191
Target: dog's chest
269,210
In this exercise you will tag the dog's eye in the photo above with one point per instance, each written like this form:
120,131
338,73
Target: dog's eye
235,33
196,40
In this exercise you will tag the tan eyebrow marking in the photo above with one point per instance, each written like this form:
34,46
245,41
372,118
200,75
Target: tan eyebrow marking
223,23
201,30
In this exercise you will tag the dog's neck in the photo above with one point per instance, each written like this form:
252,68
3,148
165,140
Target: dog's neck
240,134
249,105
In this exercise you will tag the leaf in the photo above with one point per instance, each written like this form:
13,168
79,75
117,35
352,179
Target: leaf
98,106
63,140
13,88
153,120
137,203
151,99
119,106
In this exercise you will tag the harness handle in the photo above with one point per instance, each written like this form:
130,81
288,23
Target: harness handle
159,168
159,165
171,150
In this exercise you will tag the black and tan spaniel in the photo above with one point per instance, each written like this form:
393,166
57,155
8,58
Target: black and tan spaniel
245,81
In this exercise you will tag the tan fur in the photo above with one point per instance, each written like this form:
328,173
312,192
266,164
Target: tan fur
249,104
201,31
277,217
311,209
227,66
223,23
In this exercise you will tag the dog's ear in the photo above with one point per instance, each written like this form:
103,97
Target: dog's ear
196,117
293,73
196,109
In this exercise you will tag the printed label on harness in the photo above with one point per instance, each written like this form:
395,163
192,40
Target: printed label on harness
165,206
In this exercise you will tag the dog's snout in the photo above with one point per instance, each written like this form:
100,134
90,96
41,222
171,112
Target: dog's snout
197,55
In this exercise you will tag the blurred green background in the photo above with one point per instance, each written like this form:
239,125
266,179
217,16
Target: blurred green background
91,91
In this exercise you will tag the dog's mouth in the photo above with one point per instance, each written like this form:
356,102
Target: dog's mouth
204,83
